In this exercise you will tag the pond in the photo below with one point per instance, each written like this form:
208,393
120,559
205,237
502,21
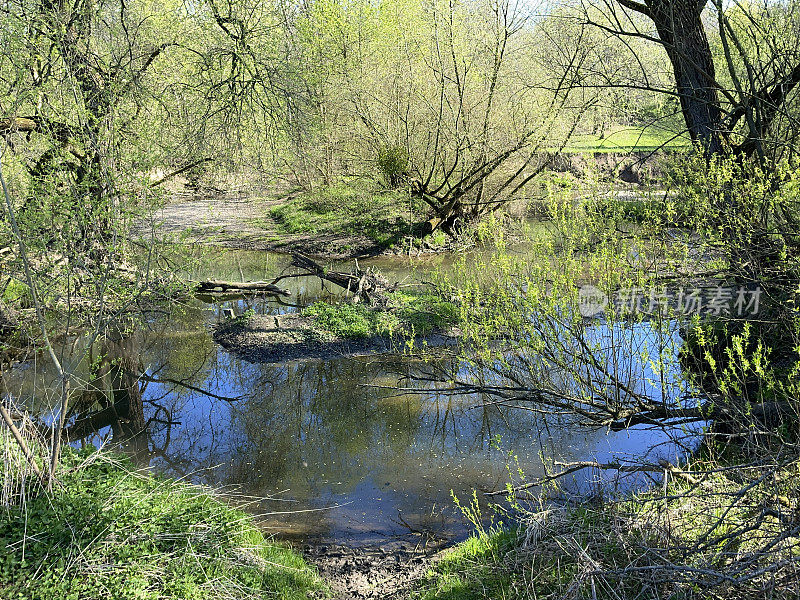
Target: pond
324,451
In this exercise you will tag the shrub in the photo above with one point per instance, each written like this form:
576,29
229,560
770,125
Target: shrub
393,164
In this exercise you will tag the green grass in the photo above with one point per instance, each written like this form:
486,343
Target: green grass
407,313
629,139
351,320
108,532
473,570
350,208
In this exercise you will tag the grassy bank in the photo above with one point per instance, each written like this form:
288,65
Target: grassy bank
629,139
109,532
354,208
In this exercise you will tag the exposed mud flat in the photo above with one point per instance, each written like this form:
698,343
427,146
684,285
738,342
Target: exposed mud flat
383,572
243,222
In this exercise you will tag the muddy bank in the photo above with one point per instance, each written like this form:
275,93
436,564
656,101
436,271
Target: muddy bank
637,168
274,339
243,222
383,572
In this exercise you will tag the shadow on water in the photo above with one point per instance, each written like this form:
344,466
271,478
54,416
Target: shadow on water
329,450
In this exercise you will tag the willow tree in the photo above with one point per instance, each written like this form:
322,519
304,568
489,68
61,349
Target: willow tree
735,66
443,99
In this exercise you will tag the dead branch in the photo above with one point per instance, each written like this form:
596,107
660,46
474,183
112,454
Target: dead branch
365,285
573,467
220,287
183,169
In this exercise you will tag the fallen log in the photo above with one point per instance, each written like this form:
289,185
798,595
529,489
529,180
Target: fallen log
222,287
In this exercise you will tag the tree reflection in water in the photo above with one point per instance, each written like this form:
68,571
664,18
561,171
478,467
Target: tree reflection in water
333,447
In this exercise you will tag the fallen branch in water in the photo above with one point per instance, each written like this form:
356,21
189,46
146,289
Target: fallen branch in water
365,285
573,467
221,287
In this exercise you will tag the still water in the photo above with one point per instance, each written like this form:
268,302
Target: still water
326,451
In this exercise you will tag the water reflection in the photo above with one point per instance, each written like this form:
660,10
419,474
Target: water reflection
336,450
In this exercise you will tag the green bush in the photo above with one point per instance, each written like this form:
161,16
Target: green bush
344,320
16,293
423,313
393,164
406,314
349,208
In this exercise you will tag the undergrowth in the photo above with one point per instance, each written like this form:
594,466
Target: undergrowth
351,208
724,531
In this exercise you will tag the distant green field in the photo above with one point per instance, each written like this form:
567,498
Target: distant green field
627,140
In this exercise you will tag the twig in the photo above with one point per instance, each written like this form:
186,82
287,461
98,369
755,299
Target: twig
573,467
9,422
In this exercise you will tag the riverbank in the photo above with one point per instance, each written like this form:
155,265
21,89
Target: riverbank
356,218
243,222
388,571
108,531
718,528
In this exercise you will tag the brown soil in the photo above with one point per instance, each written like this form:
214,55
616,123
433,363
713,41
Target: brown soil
243,222
385,572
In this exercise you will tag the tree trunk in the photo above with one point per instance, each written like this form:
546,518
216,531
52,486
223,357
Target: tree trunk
365,285
680,27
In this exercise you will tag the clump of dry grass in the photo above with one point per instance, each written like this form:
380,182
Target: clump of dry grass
717,531
19,448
